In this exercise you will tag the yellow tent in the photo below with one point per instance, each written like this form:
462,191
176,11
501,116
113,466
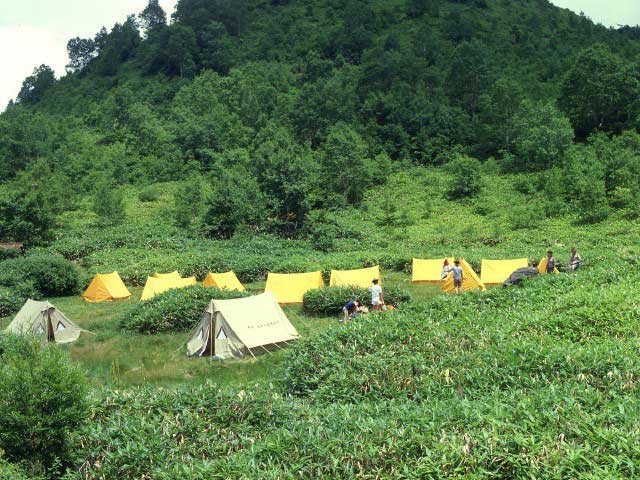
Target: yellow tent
542,266
359,278
107,287
226,280
289,288
470,280
428,271
171,276
156,286
495,272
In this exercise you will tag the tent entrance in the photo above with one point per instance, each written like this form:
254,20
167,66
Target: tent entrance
51,337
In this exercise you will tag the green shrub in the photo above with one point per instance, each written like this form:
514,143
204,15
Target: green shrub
524,185
176,310
149,194
43,399
467,177
7,253
9,471
108,204
330,300
49,275
10,301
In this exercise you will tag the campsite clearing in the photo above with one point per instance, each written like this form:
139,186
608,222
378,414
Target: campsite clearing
118,359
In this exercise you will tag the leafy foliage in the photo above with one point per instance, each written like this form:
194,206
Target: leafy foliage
14,472
43,399
521,381
10,301
108,204
330,300
600,92
45,275
284,108
35,86
466,178
176,310
541,138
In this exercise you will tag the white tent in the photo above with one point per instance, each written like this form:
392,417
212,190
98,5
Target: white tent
45,321
232,328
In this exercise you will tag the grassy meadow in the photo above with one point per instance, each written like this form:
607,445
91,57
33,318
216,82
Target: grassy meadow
115,358
406,218
535,381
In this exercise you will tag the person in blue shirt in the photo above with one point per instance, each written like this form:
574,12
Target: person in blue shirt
351,309
458,276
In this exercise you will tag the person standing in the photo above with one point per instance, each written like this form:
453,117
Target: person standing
551,262
576,260
377,300
458,276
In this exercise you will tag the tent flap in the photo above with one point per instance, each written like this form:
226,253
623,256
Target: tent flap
228,281
289,288
496,272
428,271
359,278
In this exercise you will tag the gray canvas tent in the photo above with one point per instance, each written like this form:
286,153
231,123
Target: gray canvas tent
231,328
519,275
45,321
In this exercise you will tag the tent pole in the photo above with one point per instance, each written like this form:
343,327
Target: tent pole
254,357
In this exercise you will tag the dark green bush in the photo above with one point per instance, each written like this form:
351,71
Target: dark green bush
330,300
43,399
7,253
49,275
10,301
149,194
175,310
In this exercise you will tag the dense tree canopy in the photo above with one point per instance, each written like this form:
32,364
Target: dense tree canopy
312,101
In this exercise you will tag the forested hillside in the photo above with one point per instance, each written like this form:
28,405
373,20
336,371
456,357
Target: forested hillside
274,112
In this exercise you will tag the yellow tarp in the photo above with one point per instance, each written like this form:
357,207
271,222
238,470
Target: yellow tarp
542,266
170,276
226,280
290,287
105,288
360,278
428,271
470,280
156,286
495,272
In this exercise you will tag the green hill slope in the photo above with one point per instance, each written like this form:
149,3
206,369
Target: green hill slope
273,110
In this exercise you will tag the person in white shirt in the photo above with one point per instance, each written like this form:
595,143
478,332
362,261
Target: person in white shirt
446,270
377,299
